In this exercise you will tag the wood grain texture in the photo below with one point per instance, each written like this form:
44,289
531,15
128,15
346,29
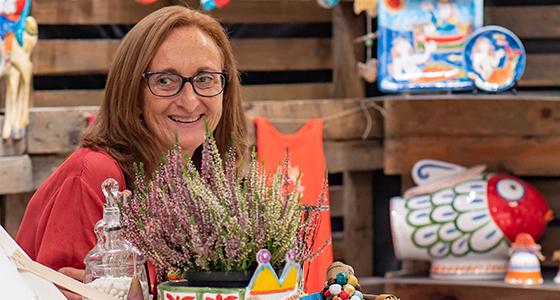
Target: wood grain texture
346,26
268,11
130,12
67,98
57,57
354,156
524,156
15,174
249,93
483,115
358,221
322,90
56,129
90,11
526,22
541,70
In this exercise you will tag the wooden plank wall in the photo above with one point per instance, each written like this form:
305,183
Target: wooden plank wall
59,114
58,57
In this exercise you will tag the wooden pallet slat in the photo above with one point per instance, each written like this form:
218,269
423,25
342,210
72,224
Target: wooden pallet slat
58,57
67,97
541,70
354,155
55,12
90,12
15,174
523,156
525,114
56,130
526,22
260,92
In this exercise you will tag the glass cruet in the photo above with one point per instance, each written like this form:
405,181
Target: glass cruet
114,263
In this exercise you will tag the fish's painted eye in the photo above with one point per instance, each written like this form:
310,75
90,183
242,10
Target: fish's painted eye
510,189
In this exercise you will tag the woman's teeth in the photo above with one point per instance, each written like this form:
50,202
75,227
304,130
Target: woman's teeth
185,119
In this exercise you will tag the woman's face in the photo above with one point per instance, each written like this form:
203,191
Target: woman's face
187,51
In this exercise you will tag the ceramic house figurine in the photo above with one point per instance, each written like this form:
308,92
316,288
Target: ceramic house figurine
524,265
556,258
463,220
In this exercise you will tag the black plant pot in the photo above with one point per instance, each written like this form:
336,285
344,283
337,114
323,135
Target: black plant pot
218,279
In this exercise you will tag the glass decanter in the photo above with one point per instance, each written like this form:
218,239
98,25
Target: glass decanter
114,264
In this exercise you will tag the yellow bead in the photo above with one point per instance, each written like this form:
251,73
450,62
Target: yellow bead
353,280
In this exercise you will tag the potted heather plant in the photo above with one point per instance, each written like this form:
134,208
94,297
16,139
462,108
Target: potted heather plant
212,221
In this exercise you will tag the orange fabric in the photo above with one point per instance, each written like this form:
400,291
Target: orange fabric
306,152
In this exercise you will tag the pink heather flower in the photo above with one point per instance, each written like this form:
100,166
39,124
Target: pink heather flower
210,219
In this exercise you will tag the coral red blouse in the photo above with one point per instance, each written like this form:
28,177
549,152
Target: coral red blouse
57,228
306,152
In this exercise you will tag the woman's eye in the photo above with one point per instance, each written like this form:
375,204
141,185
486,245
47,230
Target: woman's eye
164,81
204,79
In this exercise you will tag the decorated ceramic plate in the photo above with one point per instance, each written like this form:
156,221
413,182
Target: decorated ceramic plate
494,58
421,43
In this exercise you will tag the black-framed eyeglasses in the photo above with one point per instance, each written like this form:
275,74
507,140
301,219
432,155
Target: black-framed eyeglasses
168,84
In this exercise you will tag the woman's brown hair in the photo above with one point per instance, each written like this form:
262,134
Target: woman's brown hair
119,128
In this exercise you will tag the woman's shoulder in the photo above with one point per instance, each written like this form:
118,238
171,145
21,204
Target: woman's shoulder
91,165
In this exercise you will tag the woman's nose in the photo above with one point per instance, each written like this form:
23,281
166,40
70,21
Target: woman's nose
188,98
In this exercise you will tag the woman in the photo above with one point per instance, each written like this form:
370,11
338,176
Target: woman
173,73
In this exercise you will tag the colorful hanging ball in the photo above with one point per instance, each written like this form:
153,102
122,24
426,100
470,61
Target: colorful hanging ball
341,278
358,294
208,4
355,298
336,298
335,289
350,289
221,3
327,294
353,280
328,3
343,295
146,1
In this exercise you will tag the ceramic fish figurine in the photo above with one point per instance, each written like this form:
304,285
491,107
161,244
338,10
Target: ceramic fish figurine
463,220
524,265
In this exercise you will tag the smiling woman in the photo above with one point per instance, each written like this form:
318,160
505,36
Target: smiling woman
173,73
171,107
